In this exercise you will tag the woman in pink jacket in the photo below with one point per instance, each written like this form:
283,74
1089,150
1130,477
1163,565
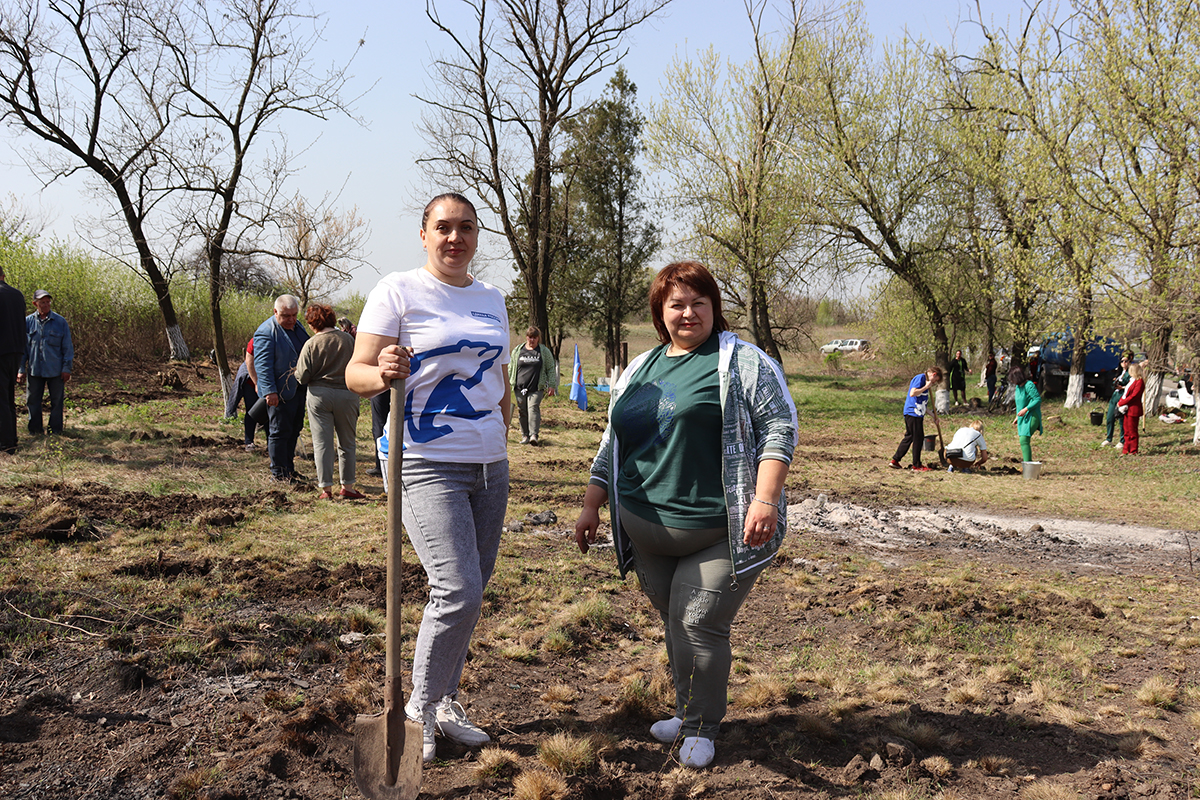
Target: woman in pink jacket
1130,405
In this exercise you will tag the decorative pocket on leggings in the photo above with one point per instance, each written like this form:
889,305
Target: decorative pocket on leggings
700,604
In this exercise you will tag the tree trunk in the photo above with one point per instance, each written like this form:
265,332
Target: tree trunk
1078,373
162,288
1160,346
763,337
178,347
1074,389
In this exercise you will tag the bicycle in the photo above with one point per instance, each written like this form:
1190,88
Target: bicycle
1003,398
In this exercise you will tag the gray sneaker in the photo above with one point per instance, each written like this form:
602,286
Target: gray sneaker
428,720
452,723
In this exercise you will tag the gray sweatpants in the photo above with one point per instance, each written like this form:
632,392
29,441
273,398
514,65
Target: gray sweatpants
687,574
453,514
333,413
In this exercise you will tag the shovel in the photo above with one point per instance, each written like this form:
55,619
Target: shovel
941,442
387,746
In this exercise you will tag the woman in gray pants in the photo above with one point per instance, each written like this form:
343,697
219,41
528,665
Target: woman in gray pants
447,333
700,436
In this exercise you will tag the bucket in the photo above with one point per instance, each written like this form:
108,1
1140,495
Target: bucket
258,412
1097,417
930,444
1032,470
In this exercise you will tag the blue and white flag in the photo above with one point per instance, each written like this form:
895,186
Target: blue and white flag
578,390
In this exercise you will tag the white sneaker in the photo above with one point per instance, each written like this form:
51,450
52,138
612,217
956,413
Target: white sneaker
452,723
696,752
1106,443
666,730
428,720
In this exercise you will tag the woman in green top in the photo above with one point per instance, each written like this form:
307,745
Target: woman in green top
701,432
1029,410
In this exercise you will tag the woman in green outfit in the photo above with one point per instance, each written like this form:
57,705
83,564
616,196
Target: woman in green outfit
692,464
1029,410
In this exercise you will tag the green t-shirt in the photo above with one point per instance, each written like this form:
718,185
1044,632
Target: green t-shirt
668,427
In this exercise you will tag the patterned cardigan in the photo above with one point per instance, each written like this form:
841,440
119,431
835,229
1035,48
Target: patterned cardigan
759,422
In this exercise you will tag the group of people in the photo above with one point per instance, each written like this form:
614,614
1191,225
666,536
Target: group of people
1125,407
288,373
37,350
967,448
692,465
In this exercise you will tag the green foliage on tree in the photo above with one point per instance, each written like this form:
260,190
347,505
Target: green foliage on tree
612,243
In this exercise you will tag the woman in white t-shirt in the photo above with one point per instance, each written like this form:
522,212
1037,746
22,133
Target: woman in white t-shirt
447,333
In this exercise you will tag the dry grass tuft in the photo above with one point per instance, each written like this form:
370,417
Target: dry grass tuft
1068,716
1003,673
889,695
1043,692
970,693
815,726
846,706
1137,744
568,754
995,765
922,734
1158,692
682,783
1041,790
938,766
560,697
539,785
495,764
636,699
764,691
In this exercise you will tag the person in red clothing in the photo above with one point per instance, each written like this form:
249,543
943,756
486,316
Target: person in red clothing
1130,405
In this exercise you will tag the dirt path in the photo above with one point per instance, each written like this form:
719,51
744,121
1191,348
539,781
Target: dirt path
897,536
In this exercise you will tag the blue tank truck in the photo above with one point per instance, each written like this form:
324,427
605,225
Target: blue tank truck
1101,365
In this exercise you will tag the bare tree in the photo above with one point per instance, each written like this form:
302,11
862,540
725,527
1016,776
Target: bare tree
514,75
239,66
319,248
88,80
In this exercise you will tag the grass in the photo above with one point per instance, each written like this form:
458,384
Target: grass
968,633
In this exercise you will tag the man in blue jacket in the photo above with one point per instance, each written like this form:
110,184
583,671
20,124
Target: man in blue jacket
12,352
277,344
49,359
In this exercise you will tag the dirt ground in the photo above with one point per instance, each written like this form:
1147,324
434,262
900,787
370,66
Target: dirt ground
264,711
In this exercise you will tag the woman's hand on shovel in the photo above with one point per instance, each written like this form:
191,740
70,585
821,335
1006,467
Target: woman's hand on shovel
394,362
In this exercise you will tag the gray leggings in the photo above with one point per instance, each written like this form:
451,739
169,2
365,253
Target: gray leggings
687,575
529,413
453,514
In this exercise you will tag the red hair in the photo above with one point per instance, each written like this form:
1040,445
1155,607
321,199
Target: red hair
320,317
686,274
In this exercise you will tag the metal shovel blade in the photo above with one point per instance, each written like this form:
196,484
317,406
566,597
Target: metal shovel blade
387,755
388,746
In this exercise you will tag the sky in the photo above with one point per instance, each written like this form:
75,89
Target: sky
373,166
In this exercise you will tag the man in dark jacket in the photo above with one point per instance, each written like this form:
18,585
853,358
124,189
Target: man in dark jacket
12,352
277,344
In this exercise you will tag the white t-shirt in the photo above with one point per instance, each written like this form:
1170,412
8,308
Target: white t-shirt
459,337
969,441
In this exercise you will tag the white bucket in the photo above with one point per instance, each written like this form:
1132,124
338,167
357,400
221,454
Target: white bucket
1032,470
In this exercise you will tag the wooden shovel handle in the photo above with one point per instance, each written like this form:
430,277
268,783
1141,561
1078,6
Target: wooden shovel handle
392,691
